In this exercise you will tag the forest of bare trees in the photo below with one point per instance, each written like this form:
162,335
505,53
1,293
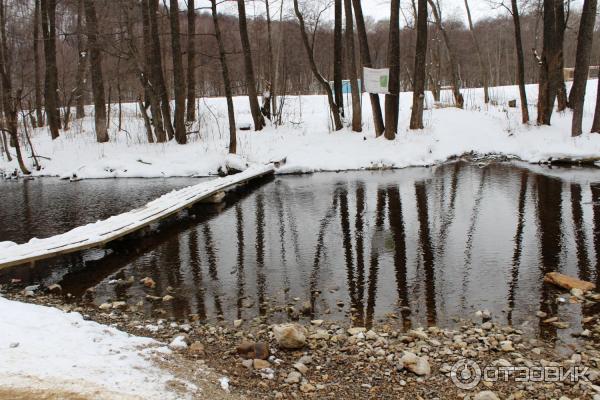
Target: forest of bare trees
164,55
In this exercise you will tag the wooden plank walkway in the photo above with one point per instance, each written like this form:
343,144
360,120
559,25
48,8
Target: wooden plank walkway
102,232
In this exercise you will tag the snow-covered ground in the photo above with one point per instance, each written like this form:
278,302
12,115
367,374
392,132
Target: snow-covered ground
308,143
46,349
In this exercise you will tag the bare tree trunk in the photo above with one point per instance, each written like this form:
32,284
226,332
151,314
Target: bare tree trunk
338,65
337,121
458,97
416,117
147,122
39,115
48,12
226,79
365,56
191,60
392,99
91,23
483,69
9,102
520,62
551,64
178,79
81,61
156,63
561,26
596,123
259,121
582,64
352,73
272,83
150,81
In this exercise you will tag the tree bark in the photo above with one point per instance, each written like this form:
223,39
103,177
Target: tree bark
156,63
596,122
81,61
91,23
483,69
337,56
561,26
365,56
39,115
48,12
337,121
392,99
520,62
178,78
352,72
416,117
458,97
259,121
582,64
551,61
272,68
10,101
149,80
191,60
226,79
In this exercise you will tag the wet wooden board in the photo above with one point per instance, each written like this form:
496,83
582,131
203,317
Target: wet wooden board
100,233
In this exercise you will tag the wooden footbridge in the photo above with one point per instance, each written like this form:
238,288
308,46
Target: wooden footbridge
100,233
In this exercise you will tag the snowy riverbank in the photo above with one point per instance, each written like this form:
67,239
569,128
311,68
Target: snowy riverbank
48,350
307,143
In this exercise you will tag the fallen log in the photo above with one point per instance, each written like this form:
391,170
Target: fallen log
568,282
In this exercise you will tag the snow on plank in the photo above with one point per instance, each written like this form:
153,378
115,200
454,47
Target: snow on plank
102,232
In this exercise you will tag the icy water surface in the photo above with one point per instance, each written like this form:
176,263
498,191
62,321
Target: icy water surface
420,245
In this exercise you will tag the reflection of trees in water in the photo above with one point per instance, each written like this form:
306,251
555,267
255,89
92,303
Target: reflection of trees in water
595,188
212,266
468,254
260,252
239,270
518,245
578,225
426,250
196,269
396,222
549,213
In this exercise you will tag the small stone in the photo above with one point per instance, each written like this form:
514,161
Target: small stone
119,304
105,306
560,325
541,314
197,348
307,387
585,333
507,346
252,350
55,288
290,336
576,292
237,323
486,326
356,330
418,334
306,308
317,322
305,360
261,364
248,363
303,369
168,297
486,395
14,345
293,377
415,364
148,282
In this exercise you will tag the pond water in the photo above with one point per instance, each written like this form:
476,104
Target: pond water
420,245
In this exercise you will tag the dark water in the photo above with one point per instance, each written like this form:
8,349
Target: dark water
46,207
427,245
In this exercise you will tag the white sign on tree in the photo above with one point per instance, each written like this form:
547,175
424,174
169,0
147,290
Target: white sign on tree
376,80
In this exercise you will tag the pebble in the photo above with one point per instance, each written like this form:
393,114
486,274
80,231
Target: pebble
303,369
261,364
290,336
486,395
237,323
293,377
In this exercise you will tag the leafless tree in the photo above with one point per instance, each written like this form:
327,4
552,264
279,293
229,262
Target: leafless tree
416,118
